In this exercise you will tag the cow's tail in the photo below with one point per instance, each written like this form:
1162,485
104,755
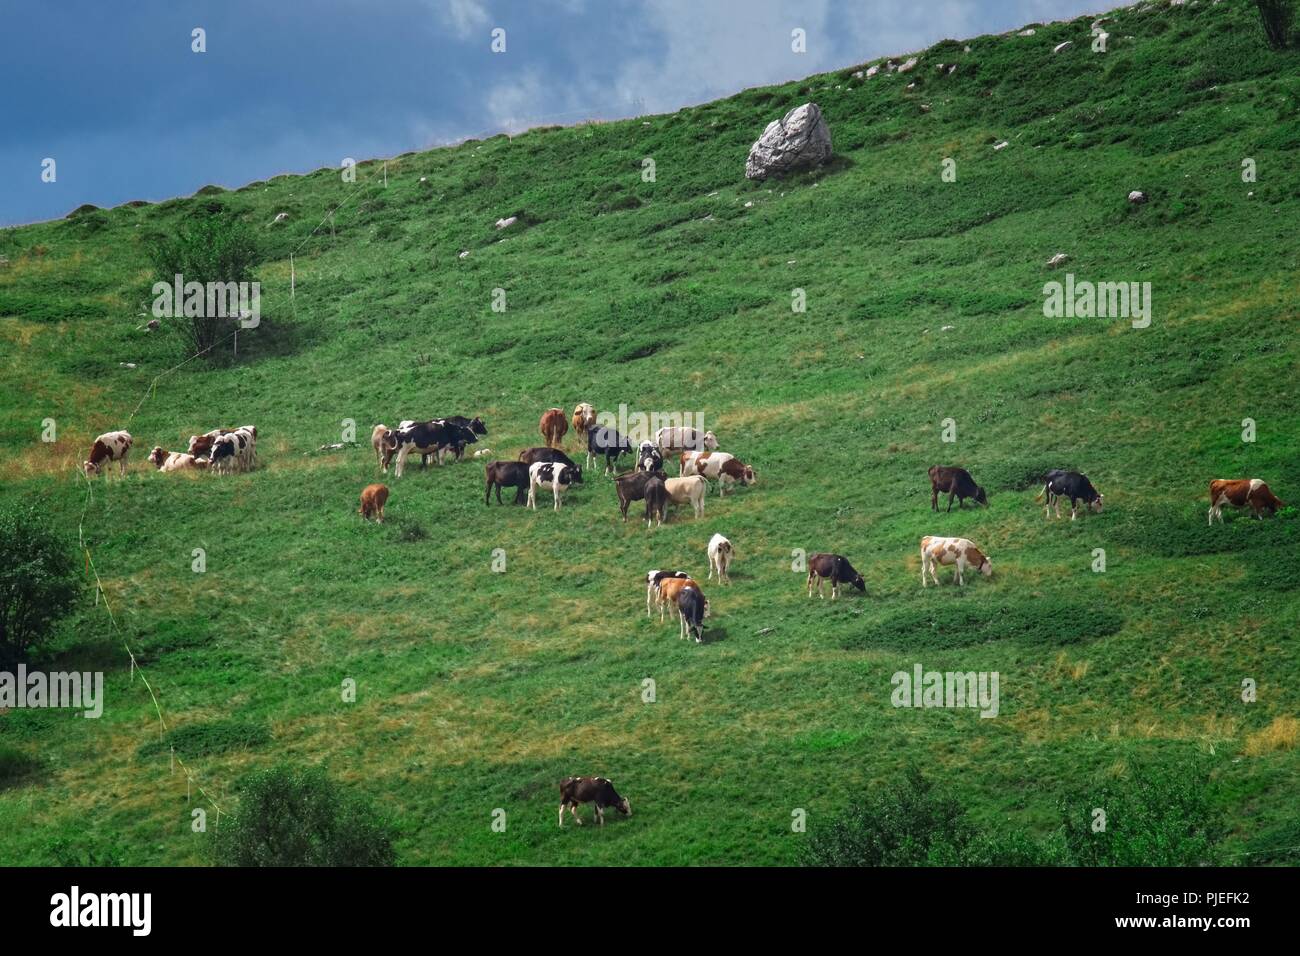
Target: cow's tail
1041,493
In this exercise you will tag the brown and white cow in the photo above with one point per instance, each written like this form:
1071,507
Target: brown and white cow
201,445
176,460
724,468
955,551
110,446
1241,493
373,499
584,418
689,491
680,438
594,790
553,425
377,436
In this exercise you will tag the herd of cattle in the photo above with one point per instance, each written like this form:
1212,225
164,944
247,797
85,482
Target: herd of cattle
548,468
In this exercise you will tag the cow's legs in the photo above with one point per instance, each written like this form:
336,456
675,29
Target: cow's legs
573,812
810,583
561,816
951,495
934,498
960,566
556,488
835,589
600,814
532,496
381,514
1074,507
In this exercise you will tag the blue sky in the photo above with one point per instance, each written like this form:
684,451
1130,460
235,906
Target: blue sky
111,90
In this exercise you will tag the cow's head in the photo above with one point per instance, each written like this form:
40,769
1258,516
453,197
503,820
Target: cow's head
981,496
91,468
986,568
158,456
859,583
1095,504
749,478
574,473
710,441
477,427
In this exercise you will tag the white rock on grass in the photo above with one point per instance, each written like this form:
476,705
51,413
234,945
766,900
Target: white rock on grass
506,223
1001,145
1061,46
799,140
1137,197
905,67
463,255
1059,259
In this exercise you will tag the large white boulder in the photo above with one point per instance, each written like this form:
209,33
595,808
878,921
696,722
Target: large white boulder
799,140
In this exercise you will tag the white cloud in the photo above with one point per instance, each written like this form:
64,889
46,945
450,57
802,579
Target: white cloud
465,17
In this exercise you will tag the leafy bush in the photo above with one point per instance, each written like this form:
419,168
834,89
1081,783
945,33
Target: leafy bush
292,817
1276,16
38,581
216,248
16,766
1043,621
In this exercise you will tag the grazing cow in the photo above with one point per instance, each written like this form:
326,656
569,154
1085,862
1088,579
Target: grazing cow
652,580
956,551
594,790
631,487
201,445
679,438
1240,493
176,460
377,437
584,417
690,609
606,443
648,457
552,475
721,551
668,589
553,426
531,456
424,438
835,567
726,469
506,474
655,492
110,446
955,483
1072,485
689,490
234,451
373,498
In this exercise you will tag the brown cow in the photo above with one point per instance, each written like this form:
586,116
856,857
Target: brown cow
836,569
595,790
373,499
955,483
584,417
1240,493
553,426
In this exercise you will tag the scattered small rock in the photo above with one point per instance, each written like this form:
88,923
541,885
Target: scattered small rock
464,255
279,217
126,365
1059,259
1026,33
907,65
153,325
925,107
1001,145
1137,197
948,328
748,204
506,223
1061,46
872,71
482,451
766,630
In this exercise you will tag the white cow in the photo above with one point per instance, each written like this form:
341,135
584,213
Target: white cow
956,551
721,551
689,491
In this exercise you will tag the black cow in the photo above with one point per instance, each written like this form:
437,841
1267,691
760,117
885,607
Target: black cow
424,438
506,474
631,487
530,456
597,790
690,606
837,569
467,431
1068,484
955,483
607,443
655,493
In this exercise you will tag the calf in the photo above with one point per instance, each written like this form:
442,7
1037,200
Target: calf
594,790
1240,493
721,552
678,438
1072,485
110,446
837,569
531,456
606,443
373,498
955,483
725,468
548,474
689,491
690,609
553,425
506,474
652,580
631,487
176,460
955,551
648,457
655,492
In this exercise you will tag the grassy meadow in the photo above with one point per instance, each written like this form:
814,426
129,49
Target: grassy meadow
479,690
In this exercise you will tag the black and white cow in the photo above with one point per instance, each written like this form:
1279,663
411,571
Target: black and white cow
652,580
424,438
553,475
531,456
1072,485
234,451
606,443
466,431
649,458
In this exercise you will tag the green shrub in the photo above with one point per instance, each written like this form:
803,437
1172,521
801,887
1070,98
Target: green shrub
294,817
207,738
38,581
1042,621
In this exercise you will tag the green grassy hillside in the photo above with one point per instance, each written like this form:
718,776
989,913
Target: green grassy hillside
479,690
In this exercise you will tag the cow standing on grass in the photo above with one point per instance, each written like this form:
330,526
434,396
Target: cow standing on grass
110,446
955,483
1240,493
373,499
648,457
721,551
595,790
689,491
652,580
678,438
955,551
584,419
506,474
553,425
834,568
631,487
1072,485
548,474
606,443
